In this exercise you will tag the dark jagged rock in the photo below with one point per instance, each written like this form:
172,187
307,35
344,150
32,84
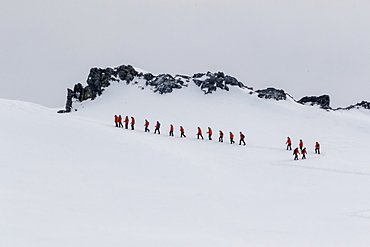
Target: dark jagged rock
214,81
271,93
165,83
323,101
363,104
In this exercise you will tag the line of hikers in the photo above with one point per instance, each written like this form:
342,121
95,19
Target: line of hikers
118,123
301,147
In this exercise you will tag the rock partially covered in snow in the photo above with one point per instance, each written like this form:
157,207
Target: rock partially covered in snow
271,93
209,82
363,104
164,83
323,101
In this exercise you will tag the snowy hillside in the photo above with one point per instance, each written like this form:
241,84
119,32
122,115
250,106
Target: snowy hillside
76,180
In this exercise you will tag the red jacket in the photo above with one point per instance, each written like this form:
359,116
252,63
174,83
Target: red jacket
199,131
242,136
221,133
171,127
119,119
296,151
115,118
231,135
210,131
132,120
146,123
288,141
126,120
182,129
301,143
317,145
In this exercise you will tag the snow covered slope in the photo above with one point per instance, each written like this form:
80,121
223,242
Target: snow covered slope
76,180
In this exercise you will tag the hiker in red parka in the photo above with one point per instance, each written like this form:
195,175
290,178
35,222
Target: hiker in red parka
304,152
146,124
199,133
157,126
301,145
171,130
295,153
182,131
209,132
221,136
116,120
120,121
132,123
126,122
317,148
231,138
288,144
242,136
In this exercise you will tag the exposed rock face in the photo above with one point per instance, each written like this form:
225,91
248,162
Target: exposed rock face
323,101
209,82
165,83
362,104
271,93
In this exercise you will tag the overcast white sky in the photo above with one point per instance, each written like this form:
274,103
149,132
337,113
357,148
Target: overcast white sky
308,47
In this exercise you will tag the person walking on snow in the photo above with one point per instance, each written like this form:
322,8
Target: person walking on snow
304,152
221,136
317,148
301,145
157,126
132,123
120,125
295,153
182,131
209,132
171,130
231,138
146,124
116,120
199,133
242,136
288,143
126,122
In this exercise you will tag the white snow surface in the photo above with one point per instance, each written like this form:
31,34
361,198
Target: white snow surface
76,180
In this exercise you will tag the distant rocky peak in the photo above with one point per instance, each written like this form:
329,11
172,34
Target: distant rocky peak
323,101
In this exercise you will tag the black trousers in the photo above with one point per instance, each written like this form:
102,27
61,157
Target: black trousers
241,141
289,146
147,129
209,137
126,125
296,157
120,125
317,150
200,136
221,139
171,133
232,140
182,134
157,130
132,126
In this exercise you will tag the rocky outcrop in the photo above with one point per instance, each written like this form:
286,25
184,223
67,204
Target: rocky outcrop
165,83
209,82
363,104
323,101
98,79
271,93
